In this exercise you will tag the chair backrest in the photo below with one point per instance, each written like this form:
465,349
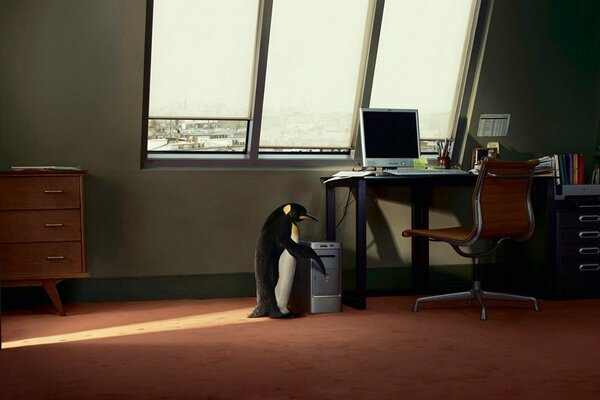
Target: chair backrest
501,200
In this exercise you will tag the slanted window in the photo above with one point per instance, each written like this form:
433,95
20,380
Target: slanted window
421,61
314,75
252,82
202,75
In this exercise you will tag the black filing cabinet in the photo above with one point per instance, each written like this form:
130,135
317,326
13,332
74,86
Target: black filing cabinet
578,248
562,259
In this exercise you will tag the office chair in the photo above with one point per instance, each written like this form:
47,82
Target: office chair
502,210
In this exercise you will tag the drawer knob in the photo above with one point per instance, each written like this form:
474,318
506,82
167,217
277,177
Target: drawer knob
589,250
50,258
589,267
589,218
53,191
589,234
53,225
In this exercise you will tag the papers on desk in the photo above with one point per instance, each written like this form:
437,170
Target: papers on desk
44,168
348,174
546,166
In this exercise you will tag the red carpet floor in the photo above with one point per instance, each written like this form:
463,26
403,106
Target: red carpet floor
208,349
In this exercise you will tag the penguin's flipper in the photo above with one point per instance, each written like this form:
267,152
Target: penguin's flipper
303,251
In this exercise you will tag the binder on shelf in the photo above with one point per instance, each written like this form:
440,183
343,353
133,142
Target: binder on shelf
569,169
570,177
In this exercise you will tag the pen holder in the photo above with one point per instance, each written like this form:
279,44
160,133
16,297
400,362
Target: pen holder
444,162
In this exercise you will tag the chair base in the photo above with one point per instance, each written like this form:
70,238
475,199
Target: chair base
477,293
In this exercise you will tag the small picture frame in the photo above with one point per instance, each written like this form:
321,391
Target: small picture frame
479,153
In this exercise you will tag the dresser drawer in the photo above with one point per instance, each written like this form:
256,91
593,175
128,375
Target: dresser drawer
43,193
40,226
40,260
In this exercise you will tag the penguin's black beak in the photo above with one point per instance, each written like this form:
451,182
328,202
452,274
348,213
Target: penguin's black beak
307,216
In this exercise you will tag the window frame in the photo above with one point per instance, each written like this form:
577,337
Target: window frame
252,158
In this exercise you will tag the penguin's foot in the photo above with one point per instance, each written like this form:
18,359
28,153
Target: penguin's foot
288,315
258,313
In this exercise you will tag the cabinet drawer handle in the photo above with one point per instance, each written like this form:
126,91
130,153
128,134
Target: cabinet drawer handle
588,205
55,258
589,218
55,191
589,250
53,225
589,234
589,267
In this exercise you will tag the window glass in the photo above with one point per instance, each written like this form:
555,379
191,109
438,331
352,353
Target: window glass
203,57
420,60
202,75
204,135
313,74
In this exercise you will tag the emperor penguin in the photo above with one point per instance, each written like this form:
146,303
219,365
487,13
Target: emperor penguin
275,260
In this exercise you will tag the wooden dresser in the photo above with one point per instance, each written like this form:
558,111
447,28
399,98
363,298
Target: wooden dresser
42,238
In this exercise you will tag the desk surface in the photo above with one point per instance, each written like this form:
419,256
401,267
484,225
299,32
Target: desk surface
415,179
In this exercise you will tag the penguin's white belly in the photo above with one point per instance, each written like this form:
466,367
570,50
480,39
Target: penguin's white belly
287,269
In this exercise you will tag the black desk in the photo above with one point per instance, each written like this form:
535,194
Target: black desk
420,193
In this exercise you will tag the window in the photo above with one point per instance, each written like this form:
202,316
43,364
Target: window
253,81
200,87
420,60
314,71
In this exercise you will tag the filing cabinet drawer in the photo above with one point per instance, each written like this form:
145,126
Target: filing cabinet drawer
589,251
40,260
39,193
40,226
582,263
579,279
579,219
584,237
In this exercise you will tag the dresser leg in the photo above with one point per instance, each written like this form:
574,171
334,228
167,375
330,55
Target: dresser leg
50,287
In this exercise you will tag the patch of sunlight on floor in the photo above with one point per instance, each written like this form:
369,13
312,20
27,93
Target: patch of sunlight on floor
221,318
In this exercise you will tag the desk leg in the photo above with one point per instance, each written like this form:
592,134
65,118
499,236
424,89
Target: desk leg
358,297
330,212
361,244
420,197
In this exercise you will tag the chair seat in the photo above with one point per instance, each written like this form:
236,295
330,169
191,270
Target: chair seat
455,235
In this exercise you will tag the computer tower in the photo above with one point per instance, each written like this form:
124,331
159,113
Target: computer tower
311,292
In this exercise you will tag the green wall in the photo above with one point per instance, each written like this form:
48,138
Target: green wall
71,76
541,66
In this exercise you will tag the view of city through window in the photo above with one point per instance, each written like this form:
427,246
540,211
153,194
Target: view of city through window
197,135
300,134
